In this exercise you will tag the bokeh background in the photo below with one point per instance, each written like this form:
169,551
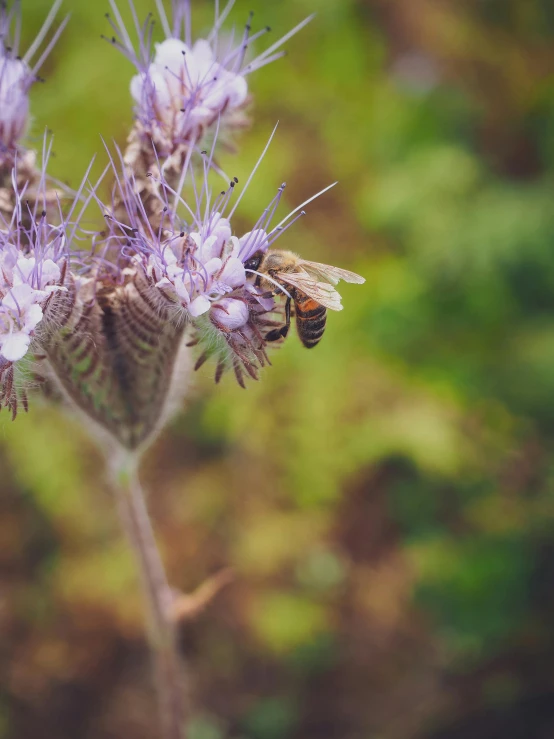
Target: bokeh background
387,500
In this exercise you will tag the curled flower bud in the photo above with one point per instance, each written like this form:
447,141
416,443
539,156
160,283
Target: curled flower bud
189,87
17,74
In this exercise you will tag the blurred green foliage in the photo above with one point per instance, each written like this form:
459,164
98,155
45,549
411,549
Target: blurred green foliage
387,501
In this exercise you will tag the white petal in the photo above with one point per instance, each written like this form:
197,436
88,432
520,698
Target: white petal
23,270
203,55
170,54
33,316
237,91
233,273
137,83
48,272
182,291
196,238
199,305
173,271
210,248
15,345
233,247
213,265
165,87
171,253
221,227
20,297
229,90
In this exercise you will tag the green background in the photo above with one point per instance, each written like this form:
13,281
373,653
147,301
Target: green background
387,500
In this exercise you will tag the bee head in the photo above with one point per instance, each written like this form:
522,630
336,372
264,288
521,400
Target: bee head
254,261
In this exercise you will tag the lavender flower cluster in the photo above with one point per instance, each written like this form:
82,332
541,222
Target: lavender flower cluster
109,327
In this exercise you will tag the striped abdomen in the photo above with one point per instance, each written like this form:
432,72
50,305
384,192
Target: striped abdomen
310,319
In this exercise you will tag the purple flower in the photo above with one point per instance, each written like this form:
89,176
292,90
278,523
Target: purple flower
30,272
198,265
34,261
17,74
184,88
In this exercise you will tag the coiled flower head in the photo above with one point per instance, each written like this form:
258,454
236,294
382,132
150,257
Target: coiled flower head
184,88
17,74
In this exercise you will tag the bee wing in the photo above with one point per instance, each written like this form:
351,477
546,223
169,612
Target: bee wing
321,292
331,274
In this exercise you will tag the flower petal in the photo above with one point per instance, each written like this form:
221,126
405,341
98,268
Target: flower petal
212,266
233,273
19,298
48,272
33,316
199,305
15,345
169,53
23,270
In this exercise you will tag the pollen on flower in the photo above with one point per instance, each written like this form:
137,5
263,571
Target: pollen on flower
17,74
185,89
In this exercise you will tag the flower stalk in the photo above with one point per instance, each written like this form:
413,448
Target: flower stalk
158,596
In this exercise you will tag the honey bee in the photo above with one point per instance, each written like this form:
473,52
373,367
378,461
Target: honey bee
309,285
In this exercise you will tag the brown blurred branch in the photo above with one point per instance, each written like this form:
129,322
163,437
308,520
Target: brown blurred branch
186,606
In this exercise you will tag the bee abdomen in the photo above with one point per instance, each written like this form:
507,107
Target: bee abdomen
310,322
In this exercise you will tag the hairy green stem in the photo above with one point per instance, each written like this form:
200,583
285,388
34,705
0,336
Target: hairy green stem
158,596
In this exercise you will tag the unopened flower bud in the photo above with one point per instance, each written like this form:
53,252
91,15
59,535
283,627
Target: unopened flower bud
14,100
17,75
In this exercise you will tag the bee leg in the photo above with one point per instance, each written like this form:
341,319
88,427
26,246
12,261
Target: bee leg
285,329
274,335
280,333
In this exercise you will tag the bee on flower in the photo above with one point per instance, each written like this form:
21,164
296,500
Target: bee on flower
195,263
